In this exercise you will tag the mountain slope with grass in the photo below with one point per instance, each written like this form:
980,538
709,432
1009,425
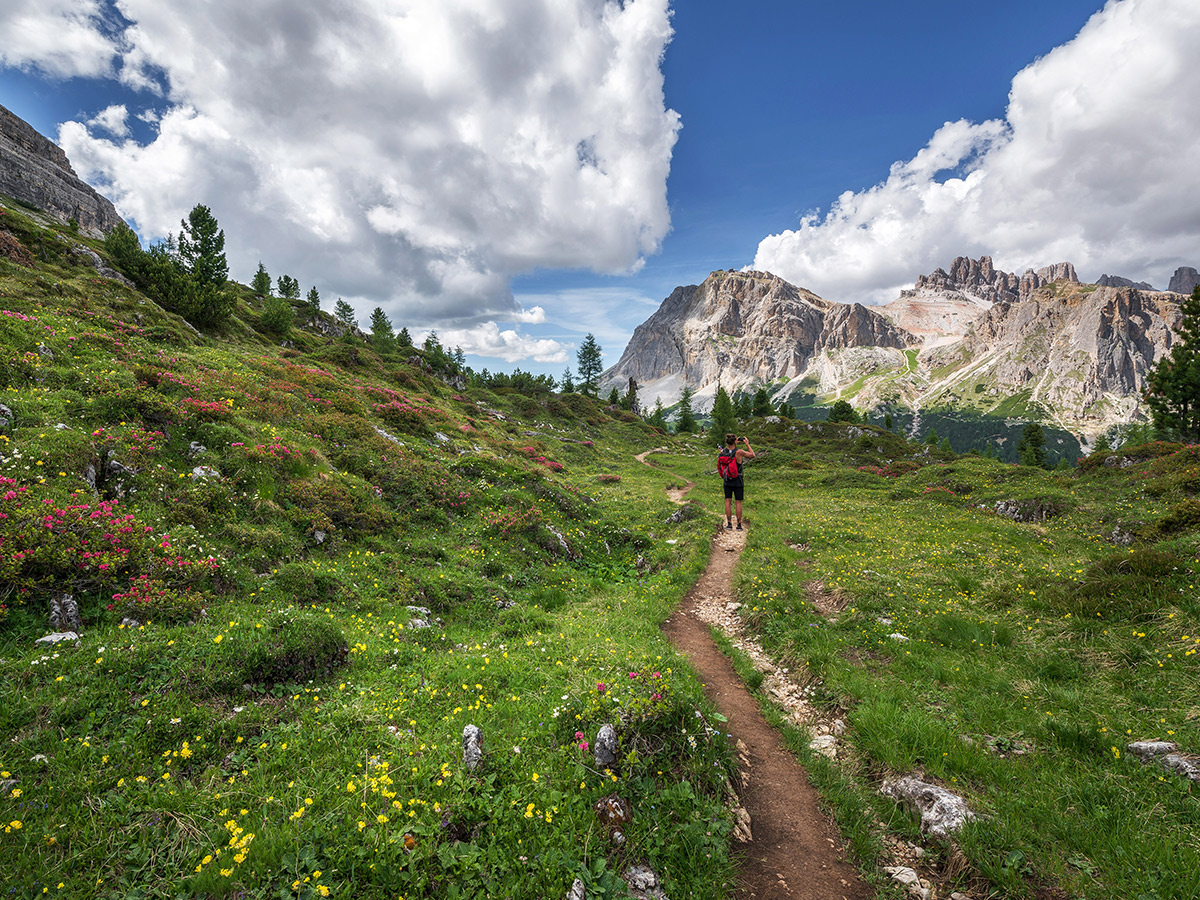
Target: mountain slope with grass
296,575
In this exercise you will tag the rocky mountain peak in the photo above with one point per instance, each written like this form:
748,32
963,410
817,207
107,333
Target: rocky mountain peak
34,170
1119,281
1184,281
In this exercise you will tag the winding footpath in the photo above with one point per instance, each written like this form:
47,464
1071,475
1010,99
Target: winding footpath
793,850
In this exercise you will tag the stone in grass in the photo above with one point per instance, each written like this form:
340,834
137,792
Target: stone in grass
605,750
577,891
472,747
59,637
64,613
909,878
422,617
613,811
1164,753
643,883
942,813
205,472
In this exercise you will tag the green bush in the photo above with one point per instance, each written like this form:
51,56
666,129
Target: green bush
304,584
1183,516
291,647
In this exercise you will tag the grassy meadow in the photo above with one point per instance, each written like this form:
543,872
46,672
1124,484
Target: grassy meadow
277,722
1029,653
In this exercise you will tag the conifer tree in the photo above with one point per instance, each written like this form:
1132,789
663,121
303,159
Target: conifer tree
614,399
314,301
723,419
344,313
567,383
589,362
404,339
1031,450
288,287
261,285
686,423
658,419
762,404
382,335
202,248
1173,385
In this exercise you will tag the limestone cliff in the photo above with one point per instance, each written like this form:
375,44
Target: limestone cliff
1184,281
34,170
1081,353
741,329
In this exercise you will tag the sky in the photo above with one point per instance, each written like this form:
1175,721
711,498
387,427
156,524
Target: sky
518,173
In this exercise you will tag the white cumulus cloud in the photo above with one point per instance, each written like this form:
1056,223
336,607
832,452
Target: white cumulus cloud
61,38
413,154
1097,162
509,345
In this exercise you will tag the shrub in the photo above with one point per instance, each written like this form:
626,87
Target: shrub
303,584
292,646
1183,516
149,600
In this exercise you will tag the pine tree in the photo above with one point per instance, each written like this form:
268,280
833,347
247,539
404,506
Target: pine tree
887,421
658,419
1031,450
932,438
686,423
288,287
614,399
842,411
1173,385
202,248
404,339
344,313
567,384
630,400
261,285
277,316
589,362
762,404
723,419
314,301
382,335
743,406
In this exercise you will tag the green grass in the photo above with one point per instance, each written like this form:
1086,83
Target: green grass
277,724
1037,634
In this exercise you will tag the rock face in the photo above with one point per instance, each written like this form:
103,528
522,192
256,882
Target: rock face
1118,281
741,329
34,170
1083,354
1184,281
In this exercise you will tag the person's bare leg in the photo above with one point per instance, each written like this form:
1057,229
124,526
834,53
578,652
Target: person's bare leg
728,521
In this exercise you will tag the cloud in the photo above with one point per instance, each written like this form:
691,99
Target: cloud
1096,162
509,345
414,154
61,38
113,119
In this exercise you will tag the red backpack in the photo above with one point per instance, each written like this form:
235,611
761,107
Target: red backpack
727,466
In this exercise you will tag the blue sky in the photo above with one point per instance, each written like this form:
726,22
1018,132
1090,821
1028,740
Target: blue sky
516,173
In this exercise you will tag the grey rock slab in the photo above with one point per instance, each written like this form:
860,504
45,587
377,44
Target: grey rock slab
604,752
643,883
58,637
472,747
942,812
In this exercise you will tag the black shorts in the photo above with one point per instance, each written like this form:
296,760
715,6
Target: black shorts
736,490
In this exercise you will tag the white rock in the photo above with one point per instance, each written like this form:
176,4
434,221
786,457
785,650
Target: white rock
58,637
897,636
825,744
942,813
909,878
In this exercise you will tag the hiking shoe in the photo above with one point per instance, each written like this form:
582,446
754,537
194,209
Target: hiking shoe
729,526
739,527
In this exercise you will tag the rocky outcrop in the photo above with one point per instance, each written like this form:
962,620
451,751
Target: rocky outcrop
741,329
34,170
1083,354
1184,281
1118,281
975,279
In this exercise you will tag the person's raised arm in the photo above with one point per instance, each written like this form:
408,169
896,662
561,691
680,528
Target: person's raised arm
748,453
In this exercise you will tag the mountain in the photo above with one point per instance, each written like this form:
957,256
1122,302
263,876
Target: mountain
1037,346
35,171
742,329
1118,281
1184,281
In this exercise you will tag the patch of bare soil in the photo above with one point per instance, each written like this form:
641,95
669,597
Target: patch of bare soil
793,850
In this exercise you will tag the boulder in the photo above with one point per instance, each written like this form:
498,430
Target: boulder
195,448
605,751
1165,754
472,747
643,883
204,472
942,813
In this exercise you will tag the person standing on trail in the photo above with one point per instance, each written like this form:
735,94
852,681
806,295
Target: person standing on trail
729,465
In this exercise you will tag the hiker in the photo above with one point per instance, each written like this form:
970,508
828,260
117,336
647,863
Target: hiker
729,465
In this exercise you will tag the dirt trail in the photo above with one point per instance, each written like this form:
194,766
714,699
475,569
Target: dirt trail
794,850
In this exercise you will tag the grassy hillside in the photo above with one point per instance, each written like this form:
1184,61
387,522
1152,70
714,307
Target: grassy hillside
1010,661
255,537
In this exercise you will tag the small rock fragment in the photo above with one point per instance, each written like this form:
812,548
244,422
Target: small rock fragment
605,750
577,891
643,883
909,878
825,744
472,747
